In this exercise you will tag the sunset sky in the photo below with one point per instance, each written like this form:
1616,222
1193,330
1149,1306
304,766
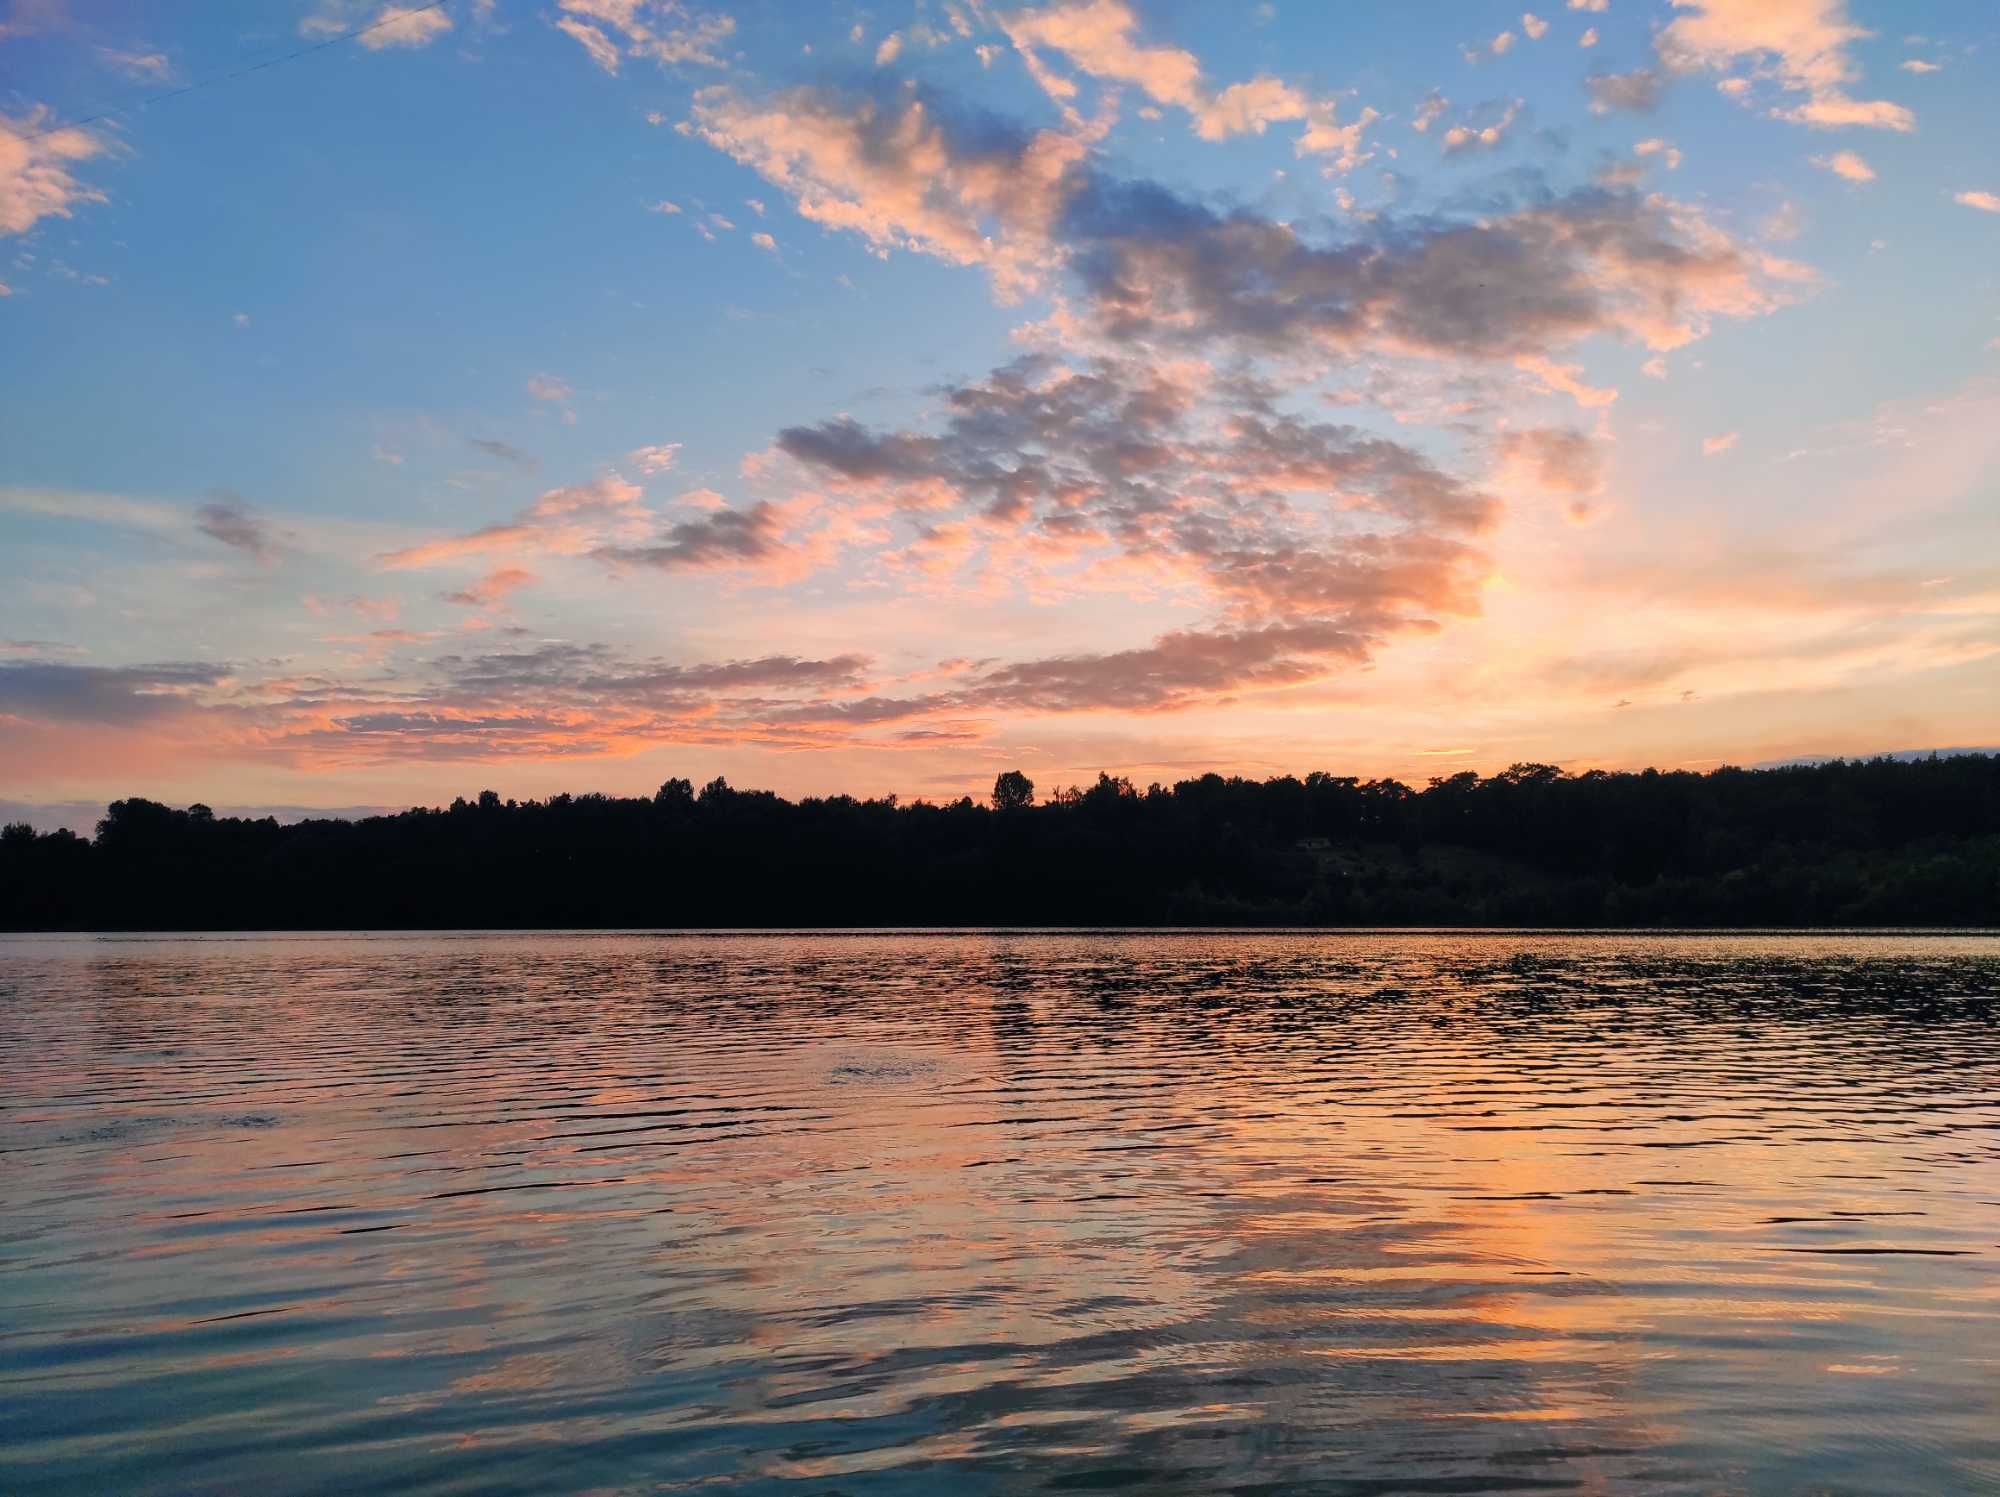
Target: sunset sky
566,395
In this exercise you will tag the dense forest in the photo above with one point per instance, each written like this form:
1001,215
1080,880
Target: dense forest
1877,842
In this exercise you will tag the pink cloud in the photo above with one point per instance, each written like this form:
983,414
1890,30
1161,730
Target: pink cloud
36,181
1802,45
491,589
893,173
564,522
1100,38
666,31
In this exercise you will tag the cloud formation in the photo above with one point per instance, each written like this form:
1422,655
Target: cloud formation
379,28
903,174
666,31
722,537
228,520
36,176
1530,282
1267,439
150,67
1800,45
1155,266
1128,462
1637,91
1846,164
1100,38
33,690
555,700
505,451
1466,138
1560,462
491,590
568,521
1310,541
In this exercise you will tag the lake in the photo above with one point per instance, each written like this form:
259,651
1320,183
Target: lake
1000,1212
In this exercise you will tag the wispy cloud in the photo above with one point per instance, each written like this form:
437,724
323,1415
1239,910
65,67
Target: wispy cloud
1637,91
565,521
386,26
505,451
1101,38
664,31
138,62
492,589
229,521
1846,164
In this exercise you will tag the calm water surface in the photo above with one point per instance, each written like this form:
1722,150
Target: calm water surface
1000,1213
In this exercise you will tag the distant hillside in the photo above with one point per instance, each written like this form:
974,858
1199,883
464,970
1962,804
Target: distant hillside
1881,842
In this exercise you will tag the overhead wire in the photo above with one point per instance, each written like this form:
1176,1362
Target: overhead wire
400,15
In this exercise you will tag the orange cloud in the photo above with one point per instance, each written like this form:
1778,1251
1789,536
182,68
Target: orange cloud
491,589
564,522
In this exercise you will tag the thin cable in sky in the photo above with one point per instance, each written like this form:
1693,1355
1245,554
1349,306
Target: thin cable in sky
401,14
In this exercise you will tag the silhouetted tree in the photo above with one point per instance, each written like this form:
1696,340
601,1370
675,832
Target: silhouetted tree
1847,843
1013,791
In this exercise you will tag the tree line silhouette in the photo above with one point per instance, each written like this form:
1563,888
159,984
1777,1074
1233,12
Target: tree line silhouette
1866,842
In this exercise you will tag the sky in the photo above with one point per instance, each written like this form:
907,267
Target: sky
399,401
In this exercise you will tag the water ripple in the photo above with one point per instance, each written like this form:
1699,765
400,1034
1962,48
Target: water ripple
1003,1211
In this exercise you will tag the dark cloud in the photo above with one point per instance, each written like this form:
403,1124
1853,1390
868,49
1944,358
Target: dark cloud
1178,670
1638,91
567,700
1530,277
847,448
506,452
111,695
723,538
1282,517
580,673
1173,671
1528,283
228,519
